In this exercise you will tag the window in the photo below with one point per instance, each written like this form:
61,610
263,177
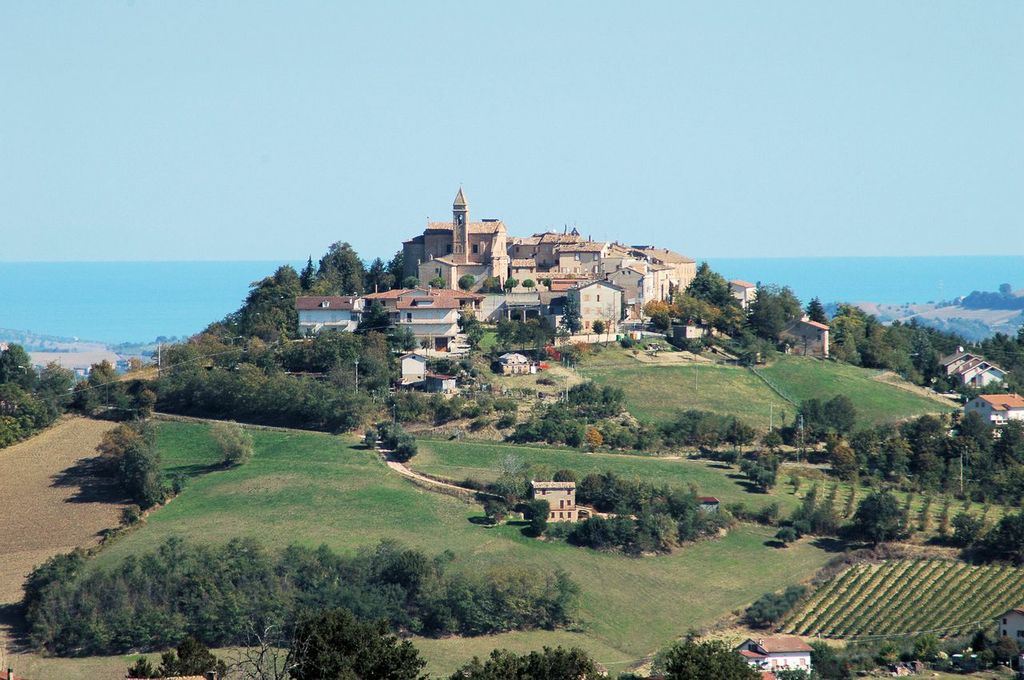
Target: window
1020,633
408,317
449,248
598,297
552,515
476,248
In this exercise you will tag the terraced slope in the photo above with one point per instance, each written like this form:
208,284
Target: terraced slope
908,596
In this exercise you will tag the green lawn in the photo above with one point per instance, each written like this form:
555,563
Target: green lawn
313,488
479,460
656,392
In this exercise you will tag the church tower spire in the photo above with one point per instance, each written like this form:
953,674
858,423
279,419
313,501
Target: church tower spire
460,227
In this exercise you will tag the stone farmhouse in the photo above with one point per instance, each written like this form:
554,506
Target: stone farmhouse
561,498
484,250
997,409
806,338
598,301
777,653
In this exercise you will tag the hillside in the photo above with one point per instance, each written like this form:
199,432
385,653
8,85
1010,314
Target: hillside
311,489
655,391
900,596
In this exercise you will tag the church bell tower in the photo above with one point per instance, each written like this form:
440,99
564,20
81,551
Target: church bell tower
460,227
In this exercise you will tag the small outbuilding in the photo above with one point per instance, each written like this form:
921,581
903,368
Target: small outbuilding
436,382
514,363
414,368
708,503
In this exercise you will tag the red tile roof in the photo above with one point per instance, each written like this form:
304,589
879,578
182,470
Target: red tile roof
707,499
333,302
1003,402
816,324
783,643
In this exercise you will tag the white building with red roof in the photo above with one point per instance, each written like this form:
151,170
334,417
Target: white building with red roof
432,314
743,291
777,653
328,312
997,409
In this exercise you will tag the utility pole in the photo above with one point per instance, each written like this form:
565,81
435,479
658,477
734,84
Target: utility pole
357,375
696,373
800,427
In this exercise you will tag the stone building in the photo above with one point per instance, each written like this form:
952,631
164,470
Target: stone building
450,250
561,498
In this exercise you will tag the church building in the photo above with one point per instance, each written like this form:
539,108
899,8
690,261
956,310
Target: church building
450,250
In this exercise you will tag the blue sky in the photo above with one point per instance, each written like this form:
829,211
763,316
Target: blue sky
249,130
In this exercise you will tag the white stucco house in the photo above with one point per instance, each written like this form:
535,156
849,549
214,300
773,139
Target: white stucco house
777,653
997,409
743,291
1011,624
414,368
328,312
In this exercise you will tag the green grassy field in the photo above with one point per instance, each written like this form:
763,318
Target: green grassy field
656,392
901,596
312,488
480,460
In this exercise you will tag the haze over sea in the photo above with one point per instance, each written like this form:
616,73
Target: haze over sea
140,301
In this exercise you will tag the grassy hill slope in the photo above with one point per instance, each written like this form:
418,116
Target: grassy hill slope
655,391
311,488
460,460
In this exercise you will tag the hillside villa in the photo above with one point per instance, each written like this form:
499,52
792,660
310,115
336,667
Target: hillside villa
743,291
432,314
806,338
971,369
777,653
328,312
997,409
561,498
514,363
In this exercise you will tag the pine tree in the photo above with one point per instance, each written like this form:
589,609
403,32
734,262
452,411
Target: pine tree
816,311
308,275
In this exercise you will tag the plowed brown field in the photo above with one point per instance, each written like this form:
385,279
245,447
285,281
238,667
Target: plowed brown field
50,502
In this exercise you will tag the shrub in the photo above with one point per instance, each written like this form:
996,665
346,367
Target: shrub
235,443
537,512
771,607
130,515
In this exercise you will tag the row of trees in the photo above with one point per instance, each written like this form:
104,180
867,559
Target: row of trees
218,594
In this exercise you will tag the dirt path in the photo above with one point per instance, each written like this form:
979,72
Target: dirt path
50,502
401,469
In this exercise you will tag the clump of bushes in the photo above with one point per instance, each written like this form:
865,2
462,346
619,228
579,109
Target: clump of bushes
235,442
769,609
393,437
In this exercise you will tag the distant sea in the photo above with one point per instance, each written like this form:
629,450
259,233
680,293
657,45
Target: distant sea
140,301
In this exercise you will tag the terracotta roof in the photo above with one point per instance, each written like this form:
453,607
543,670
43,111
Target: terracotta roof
522,262
586,247
741,283
1016,610
1003,402
513,358
822,326
553,485
664,254
783,643
707,499
428,302
440,376
525,240
553,237
602,282
485,227
325,302
751,655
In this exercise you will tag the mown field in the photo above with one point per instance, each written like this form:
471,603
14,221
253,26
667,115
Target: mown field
656,392
907,596
461,460
317,489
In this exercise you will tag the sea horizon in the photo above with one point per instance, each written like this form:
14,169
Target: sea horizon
138,301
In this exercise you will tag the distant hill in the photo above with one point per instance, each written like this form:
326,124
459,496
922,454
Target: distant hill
977,316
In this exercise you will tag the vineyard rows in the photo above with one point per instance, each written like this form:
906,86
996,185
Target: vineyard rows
899,597
924,513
